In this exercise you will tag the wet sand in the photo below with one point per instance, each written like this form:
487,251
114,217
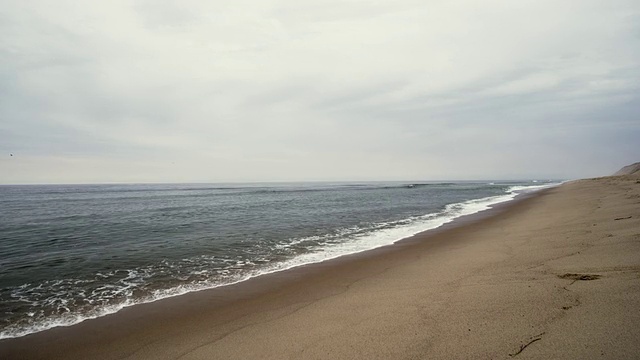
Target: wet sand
555,275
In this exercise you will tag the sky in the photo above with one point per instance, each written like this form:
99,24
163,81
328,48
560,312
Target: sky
289,90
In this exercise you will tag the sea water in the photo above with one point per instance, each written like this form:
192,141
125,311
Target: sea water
74,252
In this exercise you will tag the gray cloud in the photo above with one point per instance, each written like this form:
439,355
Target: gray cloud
249,90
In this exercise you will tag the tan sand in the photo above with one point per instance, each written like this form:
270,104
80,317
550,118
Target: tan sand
554,276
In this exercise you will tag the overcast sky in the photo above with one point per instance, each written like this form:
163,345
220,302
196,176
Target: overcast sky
261,90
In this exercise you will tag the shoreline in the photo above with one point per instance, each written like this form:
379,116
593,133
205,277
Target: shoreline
360,294
491,204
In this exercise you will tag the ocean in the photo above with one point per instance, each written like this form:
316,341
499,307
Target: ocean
74,252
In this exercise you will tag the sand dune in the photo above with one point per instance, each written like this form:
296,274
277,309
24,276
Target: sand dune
633,169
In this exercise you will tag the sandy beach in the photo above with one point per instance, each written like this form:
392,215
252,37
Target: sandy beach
552,276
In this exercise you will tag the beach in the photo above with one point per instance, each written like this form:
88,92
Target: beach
553,275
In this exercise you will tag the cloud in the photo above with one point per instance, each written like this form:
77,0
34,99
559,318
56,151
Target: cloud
284,90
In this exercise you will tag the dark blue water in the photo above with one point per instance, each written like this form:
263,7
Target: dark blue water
71,252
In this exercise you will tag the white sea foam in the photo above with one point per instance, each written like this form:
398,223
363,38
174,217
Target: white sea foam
352,240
